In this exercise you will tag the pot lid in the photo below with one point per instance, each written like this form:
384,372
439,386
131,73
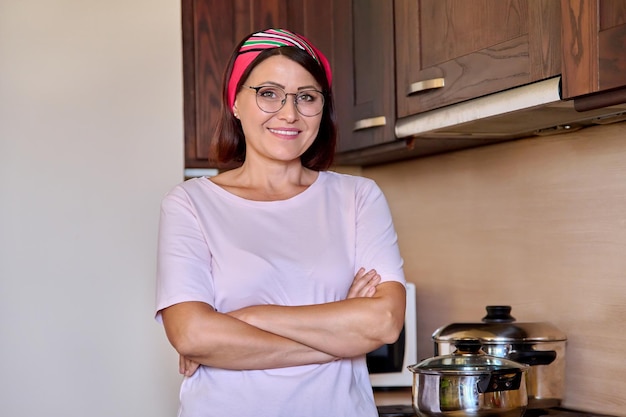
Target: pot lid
499,326
467,359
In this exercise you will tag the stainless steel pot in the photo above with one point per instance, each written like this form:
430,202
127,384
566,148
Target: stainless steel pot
469,383
539,345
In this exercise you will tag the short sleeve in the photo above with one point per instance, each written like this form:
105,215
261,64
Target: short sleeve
183,256
376,237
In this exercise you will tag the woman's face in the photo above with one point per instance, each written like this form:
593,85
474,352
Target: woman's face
286,134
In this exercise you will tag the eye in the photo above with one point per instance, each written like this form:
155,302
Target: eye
308,96
269,93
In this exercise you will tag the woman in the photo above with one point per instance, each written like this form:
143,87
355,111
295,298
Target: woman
277,277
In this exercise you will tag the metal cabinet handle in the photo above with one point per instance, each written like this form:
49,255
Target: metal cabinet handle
425,85
368,123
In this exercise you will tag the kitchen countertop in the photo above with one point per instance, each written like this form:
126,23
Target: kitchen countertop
392,402
393,396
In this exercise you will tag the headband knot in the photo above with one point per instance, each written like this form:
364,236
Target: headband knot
268,39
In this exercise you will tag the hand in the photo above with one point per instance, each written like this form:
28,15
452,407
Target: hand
186,366
364,284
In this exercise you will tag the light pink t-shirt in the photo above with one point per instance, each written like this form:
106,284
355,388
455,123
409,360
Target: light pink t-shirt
231,252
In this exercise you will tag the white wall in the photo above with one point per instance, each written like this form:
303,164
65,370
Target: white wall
90,140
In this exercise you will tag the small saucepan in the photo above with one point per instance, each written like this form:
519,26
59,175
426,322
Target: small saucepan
469,382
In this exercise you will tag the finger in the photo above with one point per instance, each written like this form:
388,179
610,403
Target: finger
362,279
181,365
359,283
370,288
191,367
363,282
359,274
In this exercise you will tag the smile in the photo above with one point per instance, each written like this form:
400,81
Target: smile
285,132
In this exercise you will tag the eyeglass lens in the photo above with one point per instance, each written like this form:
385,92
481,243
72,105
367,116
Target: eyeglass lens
271,99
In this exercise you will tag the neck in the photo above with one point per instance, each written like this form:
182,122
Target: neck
267,182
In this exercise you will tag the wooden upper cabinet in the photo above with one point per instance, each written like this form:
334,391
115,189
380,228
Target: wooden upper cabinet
594,45
396,58
448,51
365,88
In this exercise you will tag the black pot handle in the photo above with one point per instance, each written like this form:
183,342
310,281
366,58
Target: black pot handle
495,382
498,314
533,358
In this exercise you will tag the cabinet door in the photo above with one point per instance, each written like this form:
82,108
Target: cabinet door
366,97
594,45
211,30
448,51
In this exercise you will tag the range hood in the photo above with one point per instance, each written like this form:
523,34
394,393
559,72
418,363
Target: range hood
530,110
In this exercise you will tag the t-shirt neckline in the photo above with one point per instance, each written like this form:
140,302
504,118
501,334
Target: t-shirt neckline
227,194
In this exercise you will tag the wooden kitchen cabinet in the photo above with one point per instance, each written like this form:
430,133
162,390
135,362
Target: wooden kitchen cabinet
448,51
594,57
365,88
211,29
396,58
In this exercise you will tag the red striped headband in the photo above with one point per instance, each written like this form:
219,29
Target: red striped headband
268,39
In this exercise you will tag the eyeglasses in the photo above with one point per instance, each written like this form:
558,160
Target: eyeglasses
271,99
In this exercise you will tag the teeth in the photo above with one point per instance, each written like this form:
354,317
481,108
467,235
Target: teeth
285,132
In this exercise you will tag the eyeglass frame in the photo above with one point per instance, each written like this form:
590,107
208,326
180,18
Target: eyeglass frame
284,101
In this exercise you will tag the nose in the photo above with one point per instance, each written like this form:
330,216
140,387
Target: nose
289,110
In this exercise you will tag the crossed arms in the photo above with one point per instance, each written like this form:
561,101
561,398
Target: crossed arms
274,336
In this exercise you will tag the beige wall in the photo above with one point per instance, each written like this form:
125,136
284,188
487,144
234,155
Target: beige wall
91,138
538,224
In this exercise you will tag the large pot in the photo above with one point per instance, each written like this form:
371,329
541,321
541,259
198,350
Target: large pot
469,383
539,345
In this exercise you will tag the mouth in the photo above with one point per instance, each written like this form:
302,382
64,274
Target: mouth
285,132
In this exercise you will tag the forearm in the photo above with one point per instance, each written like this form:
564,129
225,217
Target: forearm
345,328
217,340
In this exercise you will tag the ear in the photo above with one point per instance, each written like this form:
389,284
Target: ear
234,109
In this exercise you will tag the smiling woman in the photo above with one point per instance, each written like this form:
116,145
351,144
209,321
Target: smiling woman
262,325
314,72
285,133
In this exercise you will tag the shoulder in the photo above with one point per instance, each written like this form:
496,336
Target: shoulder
186,192
348,179
186,187
357,184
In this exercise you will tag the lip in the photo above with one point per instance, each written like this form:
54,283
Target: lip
286,133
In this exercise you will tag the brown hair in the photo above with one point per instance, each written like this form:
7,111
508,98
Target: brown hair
229,138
